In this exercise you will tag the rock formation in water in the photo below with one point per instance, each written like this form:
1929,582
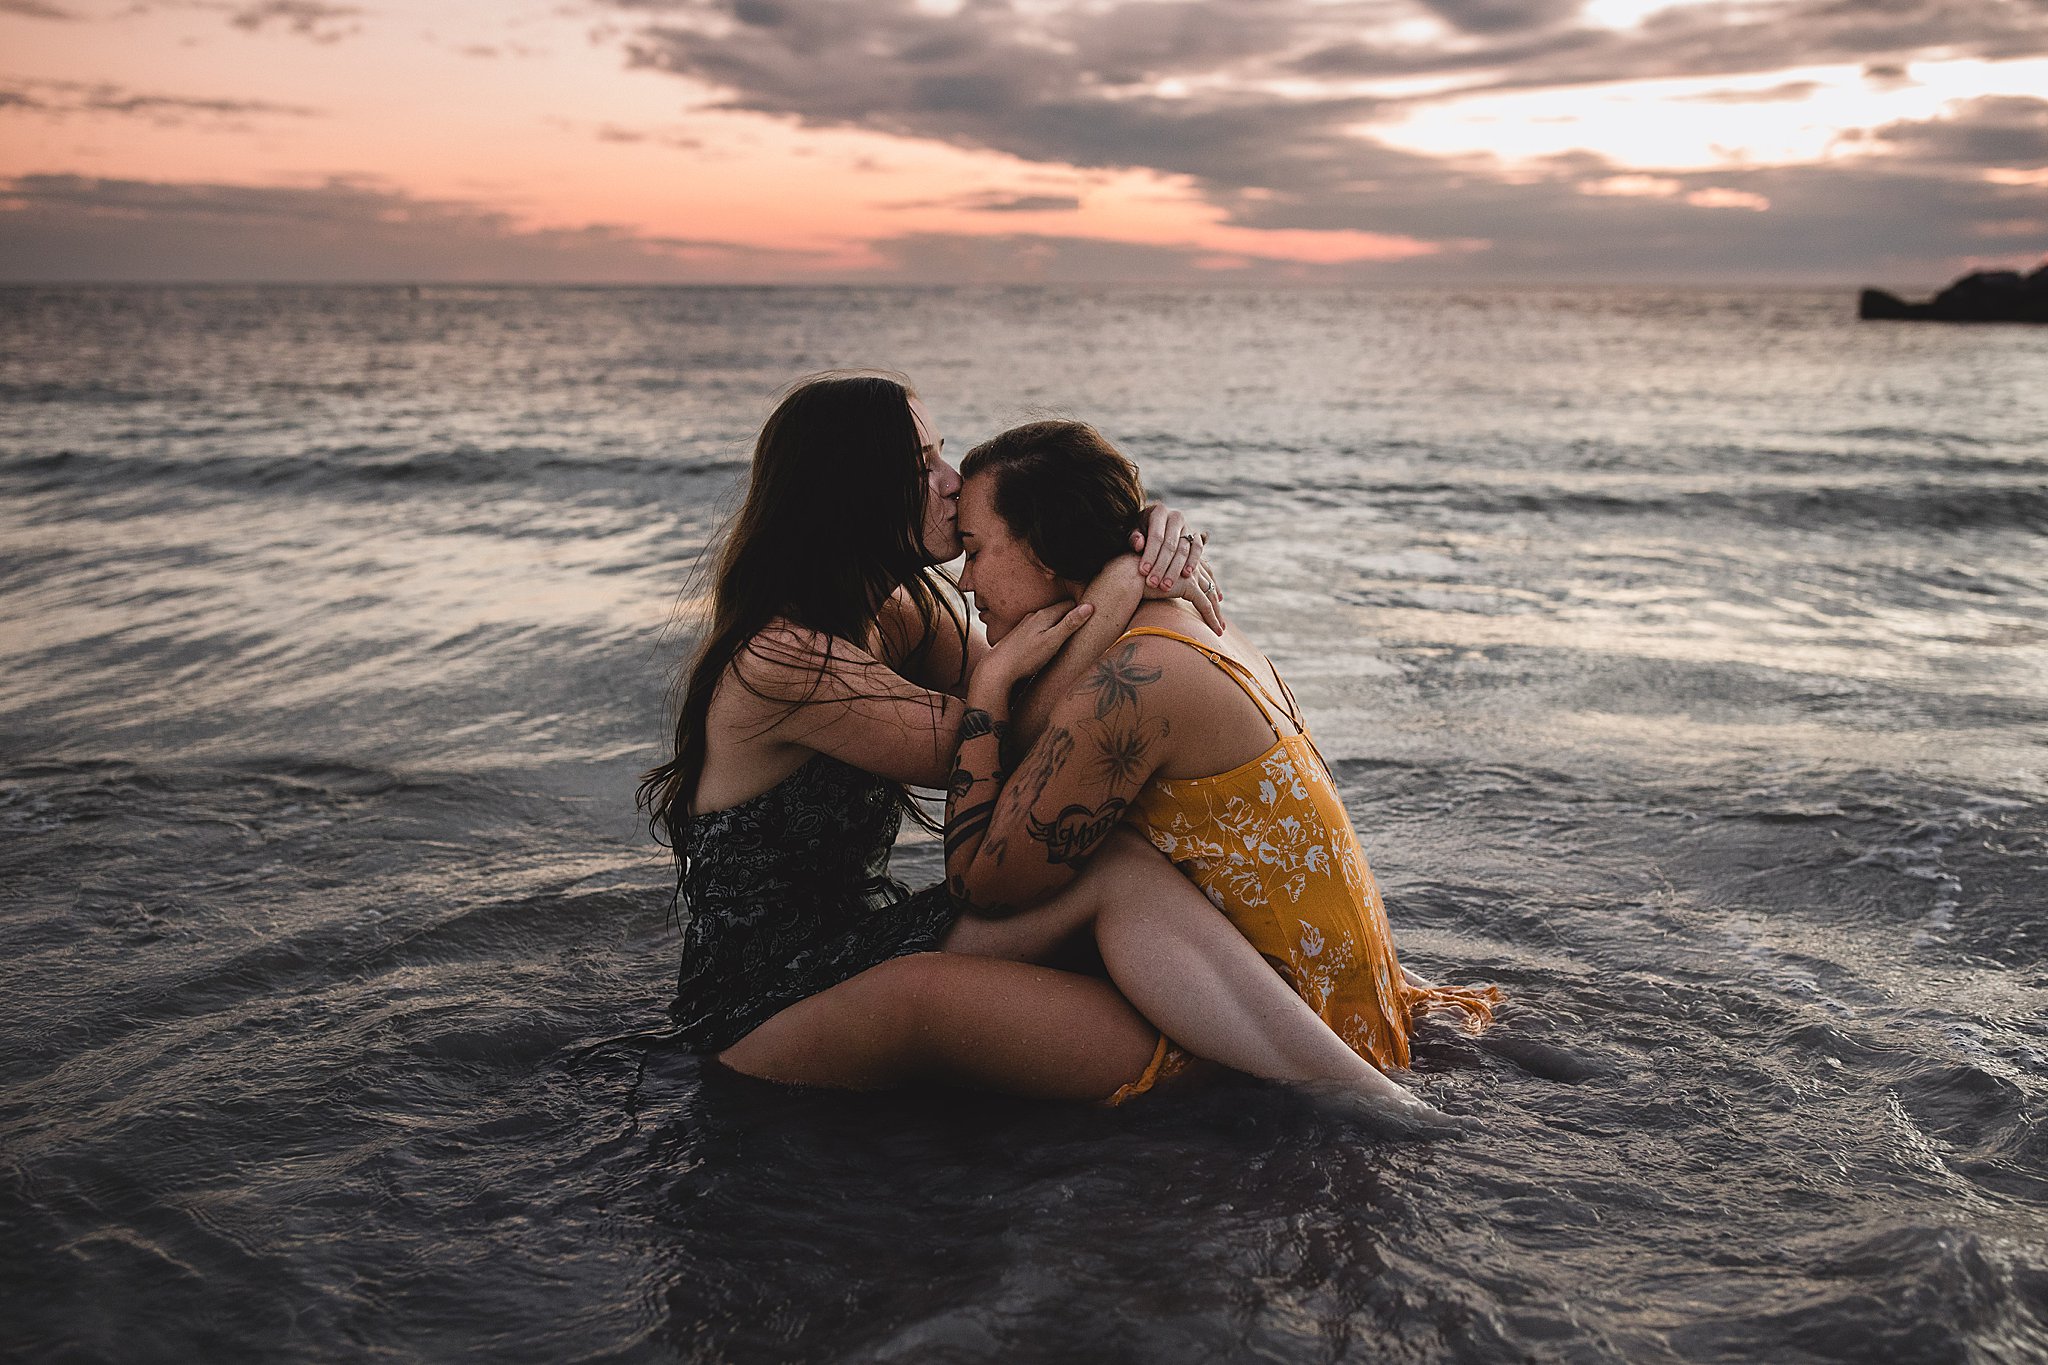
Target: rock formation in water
1981,296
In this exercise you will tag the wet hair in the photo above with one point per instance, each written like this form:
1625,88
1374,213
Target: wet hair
1065,490
832,524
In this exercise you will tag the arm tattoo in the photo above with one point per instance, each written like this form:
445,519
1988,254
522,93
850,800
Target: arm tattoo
1116,680
1046,760
962,825
978,722
974,725
1073,834
1120,753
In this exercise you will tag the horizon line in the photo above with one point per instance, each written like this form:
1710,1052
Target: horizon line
1386,286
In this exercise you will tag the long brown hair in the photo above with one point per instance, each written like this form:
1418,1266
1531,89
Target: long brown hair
832,524
1065,491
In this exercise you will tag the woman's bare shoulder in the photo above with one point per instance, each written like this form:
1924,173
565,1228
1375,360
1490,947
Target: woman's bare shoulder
1233,644
1189,654
1155,672
1213,724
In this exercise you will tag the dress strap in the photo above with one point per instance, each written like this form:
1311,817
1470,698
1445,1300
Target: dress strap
1268,705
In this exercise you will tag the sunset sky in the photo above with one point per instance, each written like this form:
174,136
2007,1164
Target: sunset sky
1825,141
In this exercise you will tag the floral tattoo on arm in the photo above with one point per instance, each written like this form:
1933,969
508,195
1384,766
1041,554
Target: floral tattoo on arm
1121,747
1116,680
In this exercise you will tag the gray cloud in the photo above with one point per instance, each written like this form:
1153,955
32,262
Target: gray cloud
1063,86
1785,93
323,23
1842,225
1850,222
986,77
34,9
317,20
64,98
2007,131
1080,85
64,227
995,201
611,132
1732,38
1025,203
862,60
1844,222
1716,39
173,106
495,51
1350,58
1129,43
869,60
1503,16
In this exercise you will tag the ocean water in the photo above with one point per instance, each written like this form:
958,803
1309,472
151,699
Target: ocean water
1682,657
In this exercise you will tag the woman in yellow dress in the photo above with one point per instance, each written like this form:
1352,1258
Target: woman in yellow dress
1181,732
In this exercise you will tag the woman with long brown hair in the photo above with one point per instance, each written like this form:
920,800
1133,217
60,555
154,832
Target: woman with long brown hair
830,677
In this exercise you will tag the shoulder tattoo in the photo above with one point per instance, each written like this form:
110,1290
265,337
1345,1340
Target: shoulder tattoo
1116,679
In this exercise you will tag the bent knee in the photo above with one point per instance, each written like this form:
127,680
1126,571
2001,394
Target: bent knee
1129,851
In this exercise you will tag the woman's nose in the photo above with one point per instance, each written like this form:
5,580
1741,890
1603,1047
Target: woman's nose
949,480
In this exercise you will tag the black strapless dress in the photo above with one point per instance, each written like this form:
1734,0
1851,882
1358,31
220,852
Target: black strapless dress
788,894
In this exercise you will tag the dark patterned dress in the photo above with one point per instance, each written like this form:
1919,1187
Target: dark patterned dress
788,894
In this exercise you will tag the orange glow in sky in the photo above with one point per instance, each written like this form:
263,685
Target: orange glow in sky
535,118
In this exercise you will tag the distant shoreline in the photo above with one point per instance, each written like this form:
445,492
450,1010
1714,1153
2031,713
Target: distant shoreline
1980,296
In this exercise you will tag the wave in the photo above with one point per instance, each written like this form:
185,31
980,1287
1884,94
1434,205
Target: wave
1912,435
346,467
92,391
1922,506
2019,504
280,791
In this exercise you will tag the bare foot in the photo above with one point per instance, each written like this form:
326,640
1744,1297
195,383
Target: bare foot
1392,1113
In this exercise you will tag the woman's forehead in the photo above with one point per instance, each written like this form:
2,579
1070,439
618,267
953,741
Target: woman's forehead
977,509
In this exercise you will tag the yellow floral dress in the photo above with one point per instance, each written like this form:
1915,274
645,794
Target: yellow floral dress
1271,845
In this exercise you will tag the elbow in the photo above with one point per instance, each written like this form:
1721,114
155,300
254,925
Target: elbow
976,899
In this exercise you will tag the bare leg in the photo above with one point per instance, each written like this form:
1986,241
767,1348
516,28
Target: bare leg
1032,935
974,1021
1186,968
